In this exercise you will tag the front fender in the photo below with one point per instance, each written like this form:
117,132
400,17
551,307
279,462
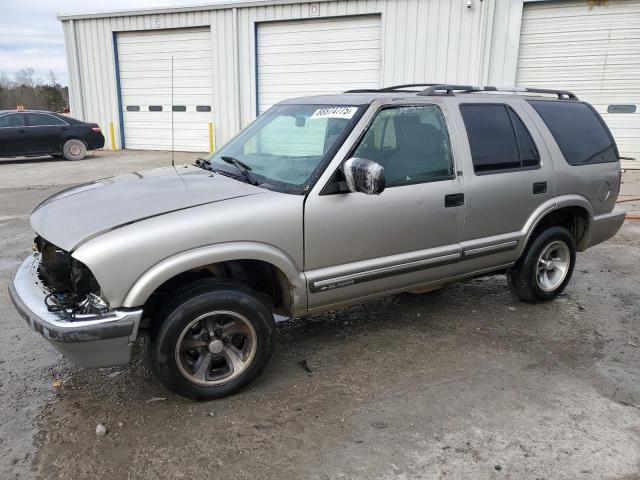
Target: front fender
198,257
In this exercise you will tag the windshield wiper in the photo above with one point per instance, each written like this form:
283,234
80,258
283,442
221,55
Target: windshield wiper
242,167
203,163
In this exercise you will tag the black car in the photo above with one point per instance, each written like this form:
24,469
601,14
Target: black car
31,133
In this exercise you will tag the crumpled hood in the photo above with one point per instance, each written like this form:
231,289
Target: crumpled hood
75,215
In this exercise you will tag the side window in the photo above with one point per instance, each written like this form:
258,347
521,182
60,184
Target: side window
12,120
498,138
42,120
578,131
411,143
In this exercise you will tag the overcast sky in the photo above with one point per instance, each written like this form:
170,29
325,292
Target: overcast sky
31,35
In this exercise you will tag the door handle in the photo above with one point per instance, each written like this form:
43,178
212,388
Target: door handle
65,128
454,200
21,130
539,187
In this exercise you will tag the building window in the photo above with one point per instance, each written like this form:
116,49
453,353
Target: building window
133,108
578,130
179,108
155,108
621,109
498,139
203,108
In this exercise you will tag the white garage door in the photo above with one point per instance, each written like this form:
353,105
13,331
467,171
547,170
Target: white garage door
314,57
595,52
144,60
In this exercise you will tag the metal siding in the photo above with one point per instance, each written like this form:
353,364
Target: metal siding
593,52
447,47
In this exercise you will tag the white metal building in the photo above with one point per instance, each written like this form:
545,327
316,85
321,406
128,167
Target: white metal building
232,61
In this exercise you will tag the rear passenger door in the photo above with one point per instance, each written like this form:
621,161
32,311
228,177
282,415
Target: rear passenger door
508,176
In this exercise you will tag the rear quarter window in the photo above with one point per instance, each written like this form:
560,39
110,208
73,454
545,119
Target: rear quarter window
579,131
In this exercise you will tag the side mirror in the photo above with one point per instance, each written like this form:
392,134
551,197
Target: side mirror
364,176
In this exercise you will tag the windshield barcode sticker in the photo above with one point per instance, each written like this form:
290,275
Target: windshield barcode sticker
334,112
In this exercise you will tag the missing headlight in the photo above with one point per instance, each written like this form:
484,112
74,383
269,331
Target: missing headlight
73,287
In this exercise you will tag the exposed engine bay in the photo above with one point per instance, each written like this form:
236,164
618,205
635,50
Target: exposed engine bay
73,288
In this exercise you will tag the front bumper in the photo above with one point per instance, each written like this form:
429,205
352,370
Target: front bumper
90,340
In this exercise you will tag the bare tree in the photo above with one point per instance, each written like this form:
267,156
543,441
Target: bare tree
28,91
53,81
5,82
24,77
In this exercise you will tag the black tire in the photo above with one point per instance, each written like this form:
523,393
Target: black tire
523,276
189,304
74,149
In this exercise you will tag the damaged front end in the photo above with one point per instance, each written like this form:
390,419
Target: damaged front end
73,288
60,298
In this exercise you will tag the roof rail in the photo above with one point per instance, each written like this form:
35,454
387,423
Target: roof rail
393,88
562,94
361,90
447,89
407,85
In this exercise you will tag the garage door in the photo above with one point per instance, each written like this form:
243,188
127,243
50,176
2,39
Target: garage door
593,51
314,57
144,60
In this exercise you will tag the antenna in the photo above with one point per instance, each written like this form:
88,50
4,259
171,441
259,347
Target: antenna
173,150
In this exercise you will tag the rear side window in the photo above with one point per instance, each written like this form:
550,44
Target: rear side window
498,139
43,120
578,131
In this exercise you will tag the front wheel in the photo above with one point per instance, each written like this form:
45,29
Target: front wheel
211,340
545,268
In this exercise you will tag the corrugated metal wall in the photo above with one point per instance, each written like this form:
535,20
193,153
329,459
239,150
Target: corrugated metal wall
422,40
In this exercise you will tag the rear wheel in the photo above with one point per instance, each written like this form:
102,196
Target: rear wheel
545,268
74,149
211,340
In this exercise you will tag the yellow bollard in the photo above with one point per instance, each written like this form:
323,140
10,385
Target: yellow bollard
211,139
112,136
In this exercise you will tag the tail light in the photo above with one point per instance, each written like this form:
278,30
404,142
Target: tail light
96,129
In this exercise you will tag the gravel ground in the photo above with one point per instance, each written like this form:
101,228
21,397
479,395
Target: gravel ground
465,382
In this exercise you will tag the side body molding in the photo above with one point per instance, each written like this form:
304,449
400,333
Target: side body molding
179,263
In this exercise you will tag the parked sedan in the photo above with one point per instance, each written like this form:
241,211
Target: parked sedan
31,133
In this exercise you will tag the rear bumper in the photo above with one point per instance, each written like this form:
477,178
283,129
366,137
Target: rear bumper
603,227
89,341
95,141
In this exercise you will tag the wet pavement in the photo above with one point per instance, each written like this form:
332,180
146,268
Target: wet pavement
464,382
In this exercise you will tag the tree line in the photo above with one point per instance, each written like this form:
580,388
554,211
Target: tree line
31,93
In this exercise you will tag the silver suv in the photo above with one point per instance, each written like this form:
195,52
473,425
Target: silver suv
320,203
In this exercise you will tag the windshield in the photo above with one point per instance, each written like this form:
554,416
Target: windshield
287,144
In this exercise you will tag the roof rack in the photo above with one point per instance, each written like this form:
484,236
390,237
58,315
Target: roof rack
394,88
447,89
450,89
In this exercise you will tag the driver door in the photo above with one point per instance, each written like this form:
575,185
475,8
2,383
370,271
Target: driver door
359,245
